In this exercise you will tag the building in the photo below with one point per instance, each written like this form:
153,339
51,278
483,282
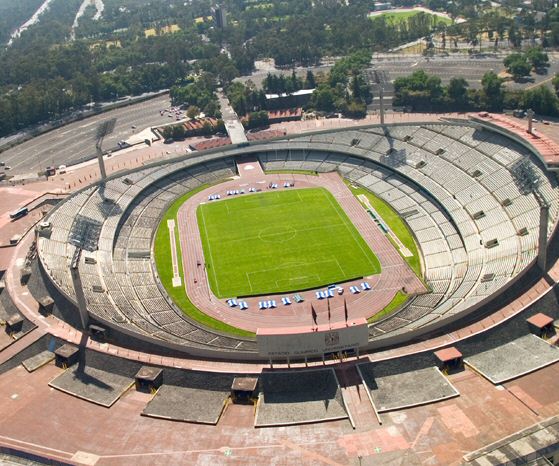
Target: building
295,99
220,16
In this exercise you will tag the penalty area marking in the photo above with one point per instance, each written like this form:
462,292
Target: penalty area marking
175,262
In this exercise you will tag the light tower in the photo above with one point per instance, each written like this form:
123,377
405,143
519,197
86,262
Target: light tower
528,181
104,129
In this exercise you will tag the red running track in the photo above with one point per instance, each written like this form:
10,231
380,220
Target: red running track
395,272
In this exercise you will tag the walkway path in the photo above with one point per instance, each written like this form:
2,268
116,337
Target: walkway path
233,125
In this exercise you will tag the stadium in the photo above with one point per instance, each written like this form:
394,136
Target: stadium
404,258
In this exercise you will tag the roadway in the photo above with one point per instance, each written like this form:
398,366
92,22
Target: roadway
470,68
75,142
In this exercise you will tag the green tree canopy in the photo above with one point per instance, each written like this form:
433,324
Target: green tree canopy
517,65
457,91
493,94
538,58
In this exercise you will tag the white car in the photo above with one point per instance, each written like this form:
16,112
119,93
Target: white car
62,169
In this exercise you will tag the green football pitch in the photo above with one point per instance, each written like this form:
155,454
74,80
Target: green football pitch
280,241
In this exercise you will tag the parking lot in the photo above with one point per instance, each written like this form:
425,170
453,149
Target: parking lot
75,142
471,69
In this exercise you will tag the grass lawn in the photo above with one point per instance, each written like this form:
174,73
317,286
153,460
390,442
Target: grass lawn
396,224
397,301
281,241
163,262
401,16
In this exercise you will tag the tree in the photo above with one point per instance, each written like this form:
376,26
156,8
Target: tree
355,110
418,90
178,132
517,65
457,91
359,88
554,35
555,83
207,128
192,112
492,88
538,58
310,81
542,100
514,37
199,93
220,126
323,98
257,120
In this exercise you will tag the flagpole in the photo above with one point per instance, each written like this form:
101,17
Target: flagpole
329,317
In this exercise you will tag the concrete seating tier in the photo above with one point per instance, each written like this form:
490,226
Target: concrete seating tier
119,289
456,186
450,176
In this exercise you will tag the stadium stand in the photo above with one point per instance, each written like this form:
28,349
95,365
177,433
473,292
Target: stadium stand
448,180
472,198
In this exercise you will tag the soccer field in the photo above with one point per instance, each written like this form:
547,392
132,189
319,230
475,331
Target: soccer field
394,17
280,241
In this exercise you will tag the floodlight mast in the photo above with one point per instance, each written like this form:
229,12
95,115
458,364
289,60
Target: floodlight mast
104,129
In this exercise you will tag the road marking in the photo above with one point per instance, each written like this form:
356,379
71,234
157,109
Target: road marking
540,83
